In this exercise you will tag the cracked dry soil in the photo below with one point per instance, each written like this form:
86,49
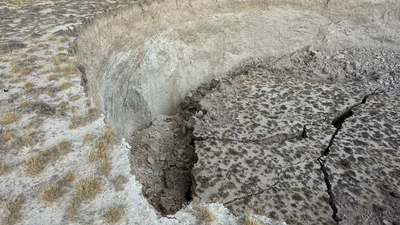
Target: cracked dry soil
332,155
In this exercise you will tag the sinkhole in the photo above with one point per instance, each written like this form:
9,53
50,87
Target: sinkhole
142,64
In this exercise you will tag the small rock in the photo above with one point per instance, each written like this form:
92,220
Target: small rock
199,114
162,158
214,83
150,160
180,151
339,56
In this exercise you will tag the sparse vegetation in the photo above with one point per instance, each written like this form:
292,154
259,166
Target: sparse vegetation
66,85
63,147
205,214
88,188
69,177
105,167
251,221
27,140
113,215
88,138
71,212
52,193
28,86
11,209
35,164
9,117
100,153
3,168
77,120
119,181
9,139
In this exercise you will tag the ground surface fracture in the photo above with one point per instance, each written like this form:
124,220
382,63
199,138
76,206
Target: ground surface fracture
273,140
199,112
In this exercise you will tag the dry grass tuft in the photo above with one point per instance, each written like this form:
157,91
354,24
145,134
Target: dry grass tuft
35,164
250,221
63,147
53,77
108,135
105,167
9,117
69,177
92,111
77,120
66,85
8,138
52,193
205,214
28,86
71,212
87,138
3,168
100,153
113,215
119,181
88,188
11,209
27,140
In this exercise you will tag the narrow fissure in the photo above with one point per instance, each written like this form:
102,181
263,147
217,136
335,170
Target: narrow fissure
337,122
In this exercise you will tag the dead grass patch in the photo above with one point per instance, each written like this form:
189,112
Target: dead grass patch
52,38
64,38
35,164
52,193
72,213
251,221
3,168
98,154
105,167
77,120
69,177
17,80
66,85
88,188
119,181
27,140
26,70
113,215
28,86
87,138
63,147
9,139
9,117
11,209
52,77
205,214
108,136
92,111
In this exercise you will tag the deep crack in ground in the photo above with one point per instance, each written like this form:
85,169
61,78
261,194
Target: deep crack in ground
337,123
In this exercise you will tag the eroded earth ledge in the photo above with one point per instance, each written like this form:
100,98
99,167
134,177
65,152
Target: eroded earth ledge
254,136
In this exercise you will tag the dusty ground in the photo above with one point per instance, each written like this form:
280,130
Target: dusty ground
253,142
51,137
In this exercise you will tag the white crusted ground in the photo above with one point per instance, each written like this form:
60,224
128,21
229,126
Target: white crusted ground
40,84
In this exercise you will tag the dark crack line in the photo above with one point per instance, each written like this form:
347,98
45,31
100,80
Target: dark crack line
267,189
337,122
257,193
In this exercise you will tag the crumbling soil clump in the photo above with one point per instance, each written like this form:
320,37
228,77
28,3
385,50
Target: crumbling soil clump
162,155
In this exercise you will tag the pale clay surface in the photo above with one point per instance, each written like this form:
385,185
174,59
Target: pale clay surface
172,56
